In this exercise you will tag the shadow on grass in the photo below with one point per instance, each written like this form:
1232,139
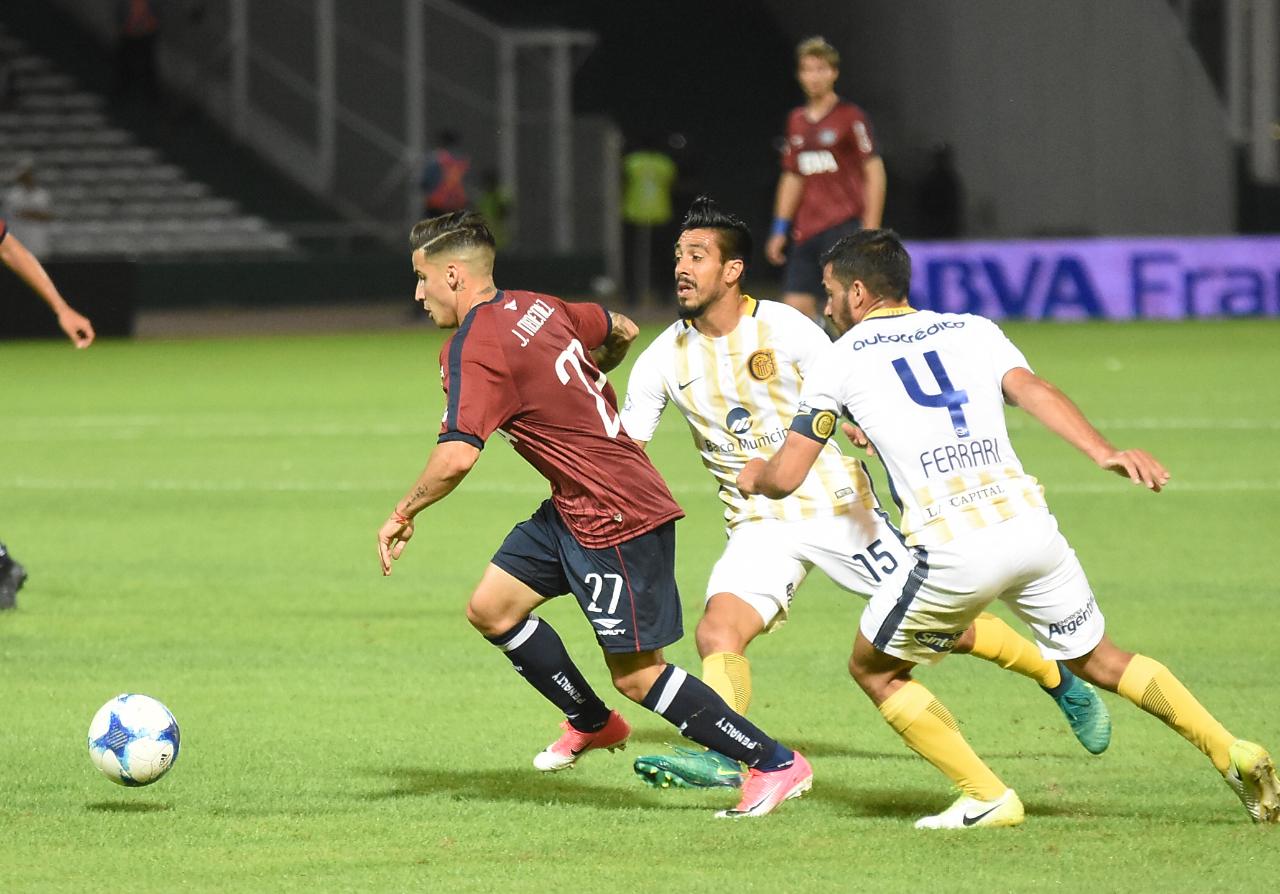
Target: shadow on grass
810,748
128,806
847,799
523,786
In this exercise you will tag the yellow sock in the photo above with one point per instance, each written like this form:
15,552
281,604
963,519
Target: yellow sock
1149,685
930,731
996,641
729,674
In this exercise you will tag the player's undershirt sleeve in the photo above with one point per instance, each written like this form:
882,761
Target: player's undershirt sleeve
646,398
820,403
481,397
4,229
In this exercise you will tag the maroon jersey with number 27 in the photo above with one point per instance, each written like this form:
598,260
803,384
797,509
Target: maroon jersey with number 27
520,364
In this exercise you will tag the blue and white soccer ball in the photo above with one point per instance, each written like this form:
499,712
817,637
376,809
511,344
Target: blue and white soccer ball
133,740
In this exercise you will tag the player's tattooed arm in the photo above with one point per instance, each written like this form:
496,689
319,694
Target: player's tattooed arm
621,335
448,464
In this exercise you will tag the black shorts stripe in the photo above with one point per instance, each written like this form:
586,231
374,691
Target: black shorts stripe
914,582
891,526
631,596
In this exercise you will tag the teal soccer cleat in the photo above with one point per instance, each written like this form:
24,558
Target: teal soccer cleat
1084,709
689,768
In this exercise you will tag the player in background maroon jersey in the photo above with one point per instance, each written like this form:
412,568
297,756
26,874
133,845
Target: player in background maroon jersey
532,367
29,269
832,181
15,256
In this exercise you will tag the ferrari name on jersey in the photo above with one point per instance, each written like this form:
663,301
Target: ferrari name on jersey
926,388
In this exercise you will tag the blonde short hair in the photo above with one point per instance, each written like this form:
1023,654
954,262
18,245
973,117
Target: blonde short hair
818,47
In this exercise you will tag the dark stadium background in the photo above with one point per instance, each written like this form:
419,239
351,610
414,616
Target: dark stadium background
1088,121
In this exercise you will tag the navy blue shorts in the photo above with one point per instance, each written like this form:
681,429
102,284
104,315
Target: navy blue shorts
804,261
628,591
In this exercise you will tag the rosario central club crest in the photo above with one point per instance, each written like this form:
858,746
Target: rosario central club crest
762,365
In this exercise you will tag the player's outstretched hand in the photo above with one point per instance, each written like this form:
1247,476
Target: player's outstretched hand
858,437
775,250
1139,467
750,475
77,327
392,538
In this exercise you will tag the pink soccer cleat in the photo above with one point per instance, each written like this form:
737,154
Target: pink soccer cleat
762,791
565,751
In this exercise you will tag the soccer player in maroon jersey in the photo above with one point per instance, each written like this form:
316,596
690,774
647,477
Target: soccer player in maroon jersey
15,256
29,269
532,367
832,181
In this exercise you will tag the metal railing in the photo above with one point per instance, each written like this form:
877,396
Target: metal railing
346,98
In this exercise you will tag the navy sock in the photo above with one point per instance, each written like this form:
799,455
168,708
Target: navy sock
540,657
1064,684
701,715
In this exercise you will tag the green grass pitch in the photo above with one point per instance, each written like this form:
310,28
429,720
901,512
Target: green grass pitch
199,517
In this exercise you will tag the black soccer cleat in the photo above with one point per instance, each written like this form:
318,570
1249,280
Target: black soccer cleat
12,577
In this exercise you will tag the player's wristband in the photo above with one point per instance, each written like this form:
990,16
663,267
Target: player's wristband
780,227
817,426
401,518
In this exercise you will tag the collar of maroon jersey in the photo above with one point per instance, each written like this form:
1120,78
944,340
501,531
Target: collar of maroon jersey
475,307
814,123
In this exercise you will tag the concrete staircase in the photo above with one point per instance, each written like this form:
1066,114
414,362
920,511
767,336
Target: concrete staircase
112,197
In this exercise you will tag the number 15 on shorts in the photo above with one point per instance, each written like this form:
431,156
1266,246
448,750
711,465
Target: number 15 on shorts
876,560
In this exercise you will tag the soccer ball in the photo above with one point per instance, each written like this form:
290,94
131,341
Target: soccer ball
133,740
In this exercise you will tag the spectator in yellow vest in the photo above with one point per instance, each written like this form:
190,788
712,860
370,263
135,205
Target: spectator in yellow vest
648,176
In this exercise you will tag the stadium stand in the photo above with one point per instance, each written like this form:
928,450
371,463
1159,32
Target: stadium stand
111,195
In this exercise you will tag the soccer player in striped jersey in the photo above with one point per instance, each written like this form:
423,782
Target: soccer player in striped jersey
928,390
734,367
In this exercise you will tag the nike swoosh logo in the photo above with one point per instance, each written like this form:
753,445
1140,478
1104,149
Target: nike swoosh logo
970,820
688,383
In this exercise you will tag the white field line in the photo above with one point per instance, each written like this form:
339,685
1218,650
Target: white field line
1157,423
524,488
233,426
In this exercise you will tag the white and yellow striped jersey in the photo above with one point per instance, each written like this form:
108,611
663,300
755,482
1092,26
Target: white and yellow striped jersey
738,394
926,389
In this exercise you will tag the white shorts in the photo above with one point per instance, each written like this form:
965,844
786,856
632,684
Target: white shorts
765,561
1025,562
